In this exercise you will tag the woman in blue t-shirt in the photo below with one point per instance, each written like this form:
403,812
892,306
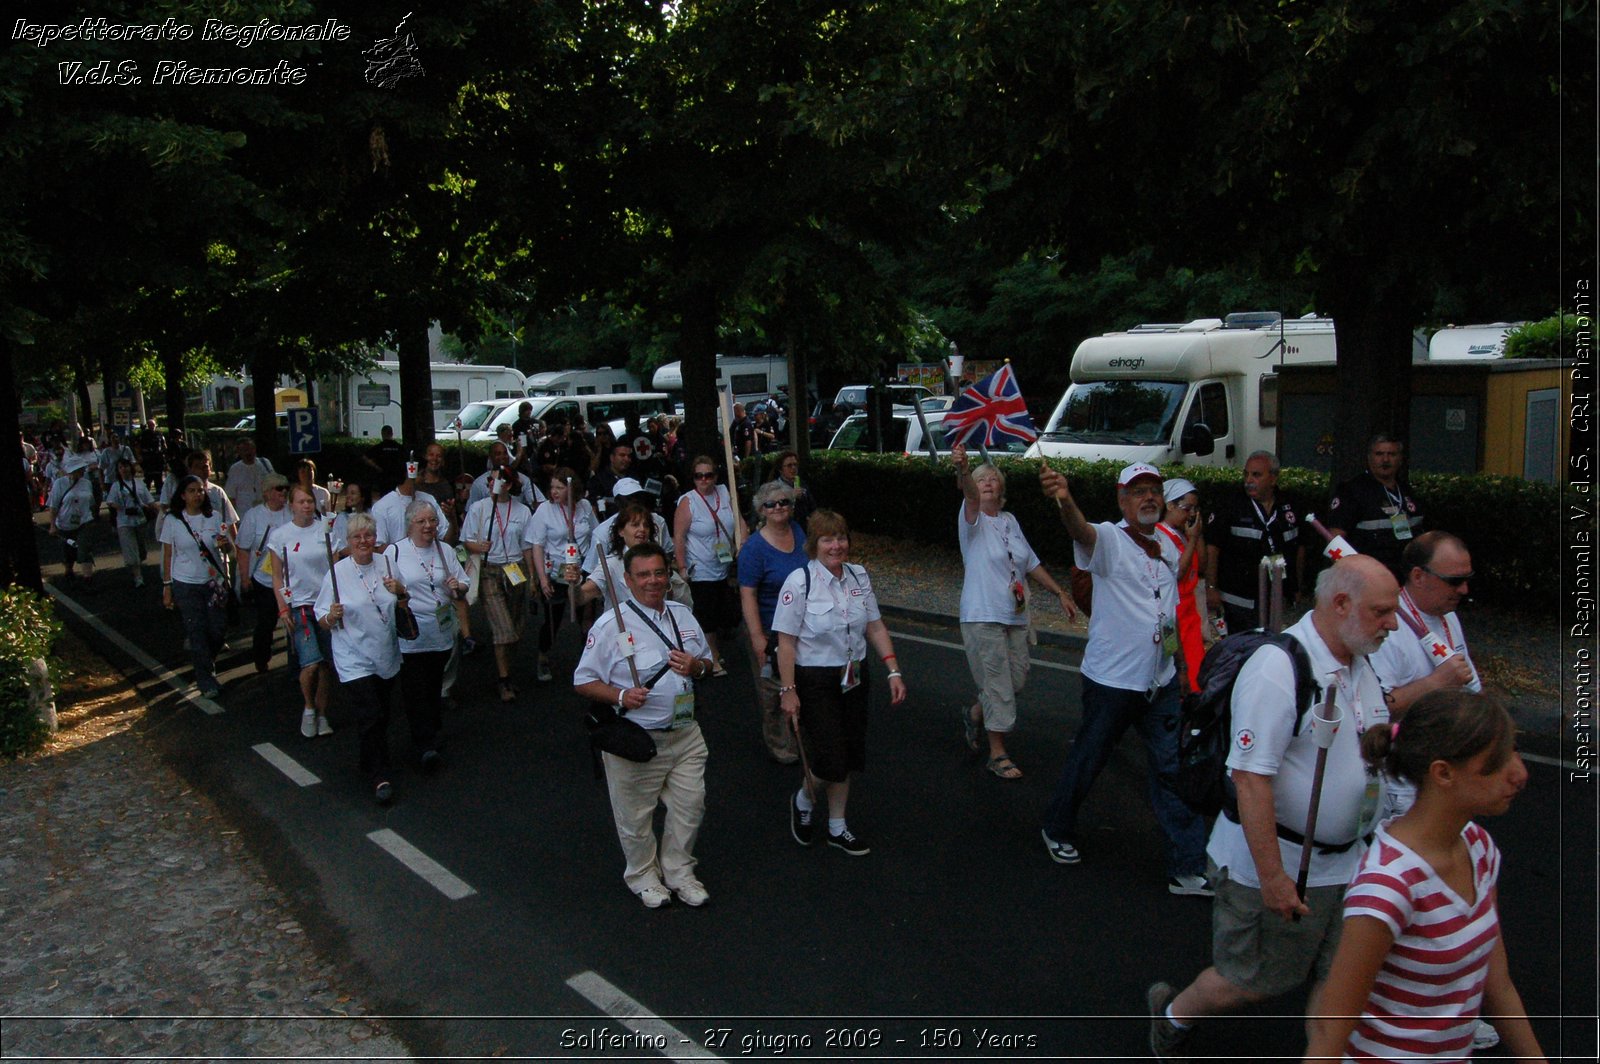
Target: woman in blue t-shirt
767,558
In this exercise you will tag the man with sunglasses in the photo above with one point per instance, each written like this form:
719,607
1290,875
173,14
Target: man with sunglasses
1241,529
1438,574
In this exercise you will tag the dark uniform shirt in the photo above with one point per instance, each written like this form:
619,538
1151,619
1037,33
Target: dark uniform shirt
1243,533
1367,513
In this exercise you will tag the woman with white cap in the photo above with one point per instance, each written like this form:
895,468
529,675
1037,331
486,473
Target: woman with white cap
72,514
1182,525
994,607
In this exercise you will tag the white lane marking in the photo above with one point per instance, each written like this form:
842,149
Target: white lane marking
957,646
638,1019
286,764
161,673
1539,759
434,873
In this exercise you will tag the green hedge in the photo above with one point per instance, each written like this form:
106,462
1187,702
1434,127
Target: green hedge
1511,525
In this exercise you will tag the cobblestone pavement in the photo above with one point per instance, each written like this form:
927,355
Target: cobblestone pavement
135,922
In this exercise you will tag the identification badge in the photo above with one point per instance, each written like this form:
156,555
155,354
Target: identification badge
514,574
724,552
683,708
625,644
445,615
1019,595
1402,527
1169,638
850,676
1369,805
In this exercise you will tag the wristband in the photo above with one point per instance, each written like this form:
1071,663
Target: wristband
166,583
888,657
893,673
785,690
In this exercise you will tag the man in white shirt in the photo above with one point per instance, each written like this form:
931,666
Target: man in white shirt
1268,939
247,476
669,651
1438,570
499,457
1129,671
389,512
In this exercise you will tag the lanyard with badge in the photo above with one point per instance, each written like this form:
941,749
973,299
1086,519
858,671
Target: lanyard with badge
683,702
851,672
510,569
1397,513
1165,634
1019,590
723,548
1367,817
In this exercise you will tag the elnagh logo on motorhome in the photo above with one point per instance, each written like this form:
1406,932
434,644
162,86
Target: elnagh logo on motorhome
1125,363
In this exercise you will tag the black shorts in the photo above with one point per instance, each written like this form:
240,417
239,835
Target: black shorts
716,605
833,723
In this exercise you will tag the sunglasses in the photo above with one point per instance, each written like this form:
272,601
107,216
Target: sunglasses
1453,581
777,504
705,476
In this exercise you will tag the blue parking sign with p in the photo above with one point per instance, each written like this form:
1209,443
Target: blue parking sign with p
304,435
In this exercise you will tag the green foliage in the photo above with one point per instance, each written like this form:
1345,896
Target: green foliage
1554,337
1509,524
28,629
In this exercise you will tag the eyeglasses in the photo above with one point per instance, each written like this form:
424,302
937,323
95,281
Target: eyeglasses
1142,490
705,476
777,504
1453,581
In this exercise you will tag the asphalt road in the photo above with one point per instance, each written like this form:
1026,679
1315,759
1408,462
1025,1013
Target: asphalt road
956,937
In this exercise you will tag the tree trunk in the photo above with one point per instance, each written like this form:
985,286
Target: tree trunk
416,379
81,382
799,408
263,380
19,553
697,348
172,383
1374,355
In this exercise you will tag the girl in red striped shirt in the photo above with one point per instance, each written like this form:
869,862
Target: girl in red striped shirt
1420,953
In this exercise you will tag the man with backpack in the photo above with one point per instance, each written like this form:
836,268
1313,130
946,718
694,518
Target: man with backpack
1129,675
1267,938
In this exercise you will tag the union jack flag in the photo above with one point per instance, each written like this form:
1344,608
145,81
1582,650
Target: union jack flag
992,408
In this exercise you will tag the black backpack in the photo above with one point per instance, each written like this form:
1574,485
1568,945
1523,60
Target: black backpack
1205,724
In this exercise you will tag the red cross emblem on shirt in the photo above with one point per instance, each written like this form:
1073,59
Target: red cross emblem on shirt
1440,650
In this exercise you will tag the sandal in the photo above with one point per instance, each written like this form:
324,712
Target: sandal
507,692
971,729
1004,767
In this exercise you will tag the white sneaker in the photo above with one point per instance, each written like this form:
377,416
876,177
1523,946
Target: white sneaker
1190,886
323,727
693,893
654,896
308,724
1484,1035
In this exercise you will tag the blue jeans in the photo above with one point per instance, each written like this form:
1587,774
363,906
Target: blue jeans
1107,714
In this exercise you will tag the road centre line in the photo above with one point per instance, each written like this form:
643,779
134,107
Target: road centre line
636,1018
1040,662
286,764
161,673
431,871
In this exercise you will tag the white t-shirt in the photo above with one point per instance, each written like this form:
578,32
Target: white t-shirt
1263,743
711,522
530,495
130,497
72,503
603,659
425,574
365,644
189,564
549,530
389,514
1134,597
244,482
830,624
601,540
254,532
301,556
506,526
996,554
1403,658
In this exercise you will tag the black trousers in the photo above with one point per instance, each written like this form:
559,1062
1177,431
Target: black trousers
421,680
369,699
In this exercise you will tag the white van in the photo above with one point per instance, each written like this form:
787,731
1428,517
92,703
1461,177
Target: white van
747,377
1201,393
371,400
602,381
614,409
1455,343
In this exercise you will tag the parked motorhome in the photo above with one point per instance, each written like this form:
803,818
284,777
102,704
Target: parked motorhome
748,377
602,381
1455,343
371,400
1198,393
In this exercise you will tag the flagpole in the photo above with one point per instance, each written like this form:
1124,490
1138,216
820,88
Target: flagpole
927,437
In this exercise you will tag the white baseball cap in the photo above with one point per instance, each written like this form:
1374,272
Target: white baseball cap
625,487
1133,472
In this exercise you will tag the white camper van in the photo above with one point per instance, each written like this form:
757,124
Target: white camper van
747,377
602,381
371,400
1201,393
1455,343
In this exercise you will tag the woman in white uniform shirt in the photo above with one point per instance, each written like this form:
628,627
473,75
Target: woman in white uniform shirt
994,607
366,651
826,617
499,528
194,581
435,581
302,550
561,531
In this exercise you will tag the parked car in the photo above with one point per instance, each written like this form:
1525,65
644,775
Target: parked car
903,433
829,415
